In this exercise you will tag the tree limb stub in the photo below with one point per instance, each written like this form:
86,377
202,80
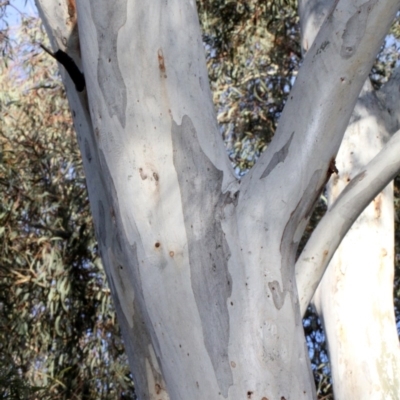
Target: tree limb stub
69,64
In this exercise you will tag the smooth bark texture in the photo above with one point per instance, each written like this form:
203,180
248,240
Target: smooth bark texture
201,266
355,297
359,193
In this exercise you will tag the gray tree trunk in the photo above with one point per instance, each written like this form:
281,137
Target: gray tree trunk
200,264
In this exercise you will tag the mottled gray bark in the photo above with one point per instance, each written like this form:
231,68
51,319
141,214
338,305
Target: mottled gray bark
201,265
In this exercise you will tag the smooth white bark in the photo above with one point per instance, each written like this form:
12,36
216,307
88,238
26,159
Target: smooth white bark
201,267
355,298
360,191
60,22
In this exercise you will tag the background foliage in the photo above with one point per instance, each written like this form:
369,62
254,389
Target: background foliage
57,327
253,54
58,335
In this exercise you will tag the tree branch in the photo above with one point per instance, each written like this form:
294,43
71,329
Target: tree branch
332,228
289,176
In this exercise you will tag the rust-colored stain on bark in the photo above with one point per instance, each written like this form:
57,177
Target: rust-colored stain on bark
378,206
324,255
158,388
161,62
72,10
171,253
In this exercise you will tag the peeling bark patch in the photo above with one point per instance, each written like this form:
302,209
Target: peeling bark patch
277,158
140,338
143,330
200,187
323,46
71,10
109,19
355,30
158,388
278,295
88,153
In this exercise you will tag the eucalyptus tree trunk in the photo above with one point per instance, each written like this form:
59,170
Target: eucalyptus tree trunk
355,297
201,264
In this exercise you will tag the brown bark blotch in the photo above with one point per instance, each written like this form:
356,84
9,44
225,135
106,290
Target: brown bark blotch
71,10
143,175
325,255
161,62
158,388
378,205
